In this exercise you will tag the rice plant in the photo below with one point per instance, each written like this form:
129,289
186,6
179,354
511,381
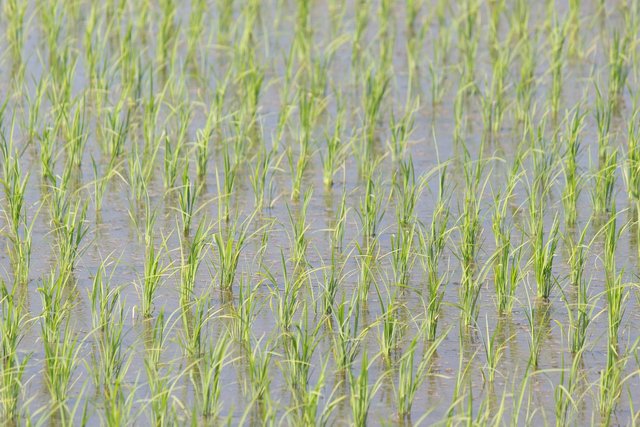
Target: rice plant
207,381
432,245
61,345
580,313
571,172
362,393
13,364
410,378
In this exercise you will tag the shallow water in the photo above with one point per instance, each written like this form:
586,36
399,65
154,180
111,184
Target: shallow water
114,235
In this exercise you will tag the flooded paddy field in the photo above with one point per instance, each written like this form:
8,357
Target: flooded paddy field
297,212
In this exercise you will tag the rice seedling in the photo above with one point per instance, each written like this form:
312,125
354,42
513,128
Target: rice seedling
14,185
348,336
603,113
333,275
20,230
610,384
154,272
336,150
543,256
367,256
172,156
605,180
376,86
14,12
557,41
494,350
574,48
70,226
402,256
470,231
371,210
47,156
194,315
494,102
527,81
573,180
61,346
401,132
207,381
110,362
187,202
362,393
244,313
537,314
391,326
337,233
618,68
408,193
160,384
13,365
615,291
468,39
580,313
300,344
195,28
567,393
543,252
506,260
299,228
259,362
115,131
260,179
461,383
432,244
191,256
286,299
225,193
298,167
409,378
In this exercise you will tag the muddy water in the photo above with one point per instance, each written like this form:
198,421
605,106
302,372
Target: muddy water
115,236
